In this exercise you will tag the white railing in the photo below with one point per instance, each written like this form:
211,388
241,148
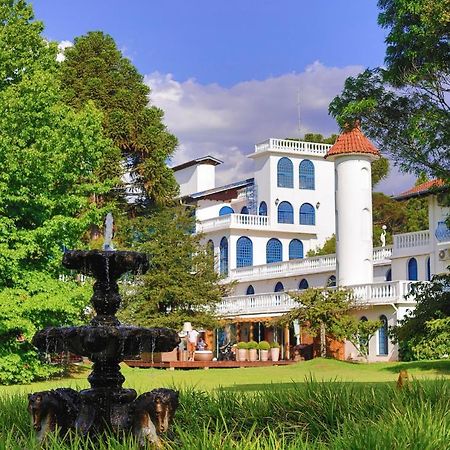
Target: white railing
233,220
289,146
281,302
305,265
410,240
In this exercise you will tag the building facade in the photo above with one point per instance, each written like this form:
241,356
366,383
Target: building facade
301,193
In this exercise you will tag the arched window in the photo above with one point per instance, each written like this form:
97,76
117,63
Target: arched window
285,213
303,284
412,269
428,269
363,342
250,290
244,252
331,282
226,210
306,172
274,251
389,275
223,256
279,287
285,173
295,249
383,336
263,209
307,214
244,210
210,247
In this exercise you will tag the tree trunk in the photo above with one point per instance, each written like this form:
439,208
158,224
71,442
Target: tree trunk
323,343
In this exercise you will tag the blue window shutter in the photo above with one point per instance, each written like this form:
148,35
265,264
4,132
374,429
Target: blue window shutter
306,175
224,256
285,173
285,213
412,269
263,209
383,337
274,251
225,210
295,249
244,252
307,214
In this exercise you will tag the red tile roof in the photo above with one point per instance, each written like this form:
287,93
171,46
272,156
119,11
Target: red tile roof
352,141
422,189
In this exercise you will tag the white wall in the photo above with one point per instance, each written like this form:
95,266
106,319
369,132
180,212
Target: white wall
197,178
354,247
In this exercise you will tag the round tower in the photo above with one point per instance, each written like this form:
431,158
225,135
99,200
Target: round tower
353,154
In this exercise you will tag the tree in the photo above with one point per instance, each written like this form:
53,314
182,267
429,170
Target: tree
404,107
425,332
49,155
94,69
181,284
328,248
42,301
326,311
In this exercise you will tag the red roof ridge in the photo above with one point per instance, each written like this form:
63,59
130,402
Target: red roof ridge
352,140
422,187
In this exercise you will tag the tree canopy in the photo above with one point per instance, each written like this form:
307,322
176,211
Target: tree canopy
95,70
181,284
404,106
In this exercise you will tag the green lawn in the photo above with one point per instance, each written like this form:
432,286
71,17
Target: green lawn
252,379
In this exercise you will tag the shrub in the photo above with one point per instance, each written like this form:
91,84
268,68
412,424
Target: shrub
252,345
264,345
274,345
242,345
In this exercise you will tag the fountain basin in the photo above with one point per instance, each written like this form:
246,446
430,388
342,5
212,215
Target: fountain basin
106,342
105,265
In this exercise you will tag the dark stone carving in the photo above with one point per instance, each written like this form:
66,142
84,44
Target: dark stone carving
106,405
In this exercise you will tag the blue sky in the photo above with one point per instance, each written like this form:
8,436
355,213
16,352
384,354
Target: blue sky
228,73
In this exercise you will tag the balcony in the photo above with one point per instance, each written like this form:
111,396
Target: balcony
289,146
277,303
245,221
408,244
316,264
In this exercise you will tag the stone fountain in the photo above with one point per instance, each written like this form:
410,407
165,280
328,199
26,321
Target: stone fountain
106,405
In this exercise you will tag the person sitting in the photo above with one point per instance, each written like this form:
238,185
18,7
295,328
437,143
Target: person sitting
201,344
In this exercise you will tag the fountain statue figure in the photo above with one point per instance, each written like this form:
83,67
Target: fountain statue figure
106,405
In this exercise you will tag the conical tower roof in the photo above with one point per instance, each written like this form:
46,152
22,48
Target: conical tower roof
352,140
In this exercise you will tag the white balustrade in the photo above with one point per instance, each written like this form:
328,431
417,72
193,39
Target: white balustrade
301,266
233,220
289,146
411,240
281,302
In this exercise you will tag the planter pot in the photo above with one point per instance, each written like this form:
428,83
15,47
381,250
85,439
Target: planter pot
243,354
264,355
253,354
275,354
203,355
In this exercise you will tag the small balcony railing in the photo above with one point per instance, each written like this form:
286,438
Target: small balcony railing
302,266
412,240
233,220
289,146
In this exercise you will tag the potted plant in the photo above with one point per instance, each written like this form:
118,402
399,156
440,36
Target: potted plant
252,351
275,351
264,348
242,351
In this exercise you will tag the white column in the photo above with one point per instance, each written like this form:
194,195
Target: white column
354,248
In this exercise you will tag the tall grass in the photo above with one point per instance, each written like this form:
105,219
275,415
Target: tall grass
312,415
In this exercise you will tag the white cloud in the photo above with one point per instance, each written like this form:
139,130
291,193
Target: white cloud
61,47
226,122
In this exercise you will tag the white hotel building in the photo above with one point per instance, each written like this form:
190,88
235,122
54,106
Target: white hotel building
301,193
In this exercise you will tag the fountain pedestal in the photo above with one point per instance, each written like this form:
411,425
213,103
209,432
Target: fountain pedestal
106,405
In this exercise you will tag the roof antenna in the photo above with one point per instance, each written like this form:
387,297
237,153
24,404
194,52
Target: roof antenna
298,114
